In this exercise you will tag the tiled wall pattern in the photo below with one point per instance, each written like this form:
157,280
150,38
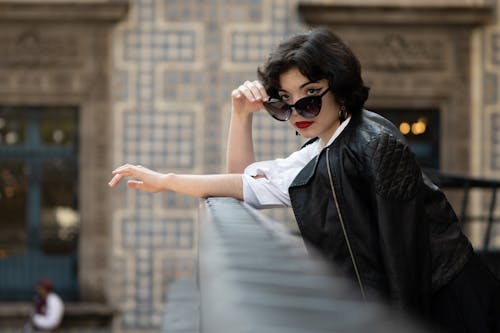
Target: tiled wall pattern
175,65
157,137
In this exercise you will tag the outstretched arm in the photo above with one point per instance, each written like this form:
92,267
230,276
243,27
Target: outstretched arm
246,100
200,186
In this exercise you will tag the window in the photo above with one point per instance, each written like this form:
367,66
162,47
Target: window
421,129
39,213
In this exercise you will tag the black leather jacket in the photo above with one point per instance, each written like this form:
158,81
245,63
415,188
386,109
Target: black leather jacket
365,204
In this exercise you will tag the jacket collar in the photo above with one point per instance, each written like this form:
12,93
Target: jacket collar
309,170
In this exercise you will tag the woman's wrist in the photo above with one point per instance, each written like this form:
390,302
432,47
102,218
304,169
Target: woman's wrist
241,115
241,121
168,181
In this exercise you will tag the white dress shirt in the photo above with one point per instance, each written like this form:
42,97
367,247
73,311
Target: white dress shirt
271,189
53,313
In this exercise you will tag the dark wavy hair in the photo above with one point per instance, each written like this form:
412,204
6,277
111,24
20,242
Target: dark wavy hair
318,54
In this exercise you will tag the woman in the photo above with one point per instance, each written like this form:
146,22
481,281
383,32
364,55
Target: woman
356,190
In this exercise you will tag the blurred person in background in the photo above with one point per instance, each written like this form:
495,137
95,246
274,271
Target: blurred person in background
48,309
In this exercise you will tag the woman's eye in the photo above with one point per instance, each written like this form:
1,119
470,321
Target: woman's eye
313,91
284,97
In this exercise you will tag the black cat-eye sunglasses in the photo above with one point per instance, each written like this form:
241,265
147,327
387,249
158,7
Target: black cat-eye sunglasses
308,107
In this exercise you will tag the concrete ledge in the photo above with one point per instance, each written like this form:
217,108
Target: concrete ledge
84,315
64,11
337,14
182,312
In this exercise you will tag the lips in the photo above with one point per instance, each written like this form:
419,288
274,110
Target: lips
303,124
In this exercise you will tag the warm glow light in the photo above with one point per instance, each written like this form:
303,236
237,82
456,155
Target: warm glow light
11,138
419,127
66,217
58,136
404,128
68,220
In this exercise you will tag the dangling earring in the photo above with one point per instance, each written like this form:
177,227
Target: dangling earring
342,113
297,133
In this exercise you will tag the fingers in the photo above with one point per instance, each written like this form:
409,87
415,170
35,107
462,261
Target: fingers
262,90
135,184
127,170
253,91
115,180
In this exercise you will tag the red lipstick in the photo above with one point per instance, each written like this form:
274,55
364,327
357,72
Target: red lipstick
303,124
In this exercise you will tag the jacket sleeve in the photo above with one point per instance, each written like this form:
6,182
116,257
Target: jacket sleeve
397,181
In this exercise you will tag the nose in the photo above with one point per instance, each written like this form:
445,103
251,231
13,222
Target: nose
294,111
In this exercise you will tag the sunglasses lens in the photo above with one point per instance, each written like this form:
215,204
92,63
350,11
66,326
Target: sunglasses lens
309,107
278,109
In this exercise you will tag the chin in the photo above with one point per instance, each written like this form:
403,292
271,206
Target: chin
307,133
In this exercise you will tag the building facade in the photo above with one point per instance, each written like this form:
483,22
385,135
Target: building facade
150,82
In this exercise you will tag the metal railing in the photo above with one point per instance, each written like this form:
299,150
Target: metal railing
466,184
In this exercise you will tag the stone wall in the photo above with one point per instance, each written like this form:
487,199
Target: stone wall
176,62
59,55
175,65
166,105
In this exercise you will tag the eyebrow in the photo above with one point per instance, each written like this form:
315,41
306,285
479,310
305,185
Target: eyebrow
301,86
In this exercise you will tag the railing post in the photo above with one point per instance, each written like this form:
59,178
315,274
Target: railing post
491,212
465,202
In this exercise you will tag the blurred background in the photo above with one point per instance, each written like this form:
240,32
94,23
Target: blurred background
88,85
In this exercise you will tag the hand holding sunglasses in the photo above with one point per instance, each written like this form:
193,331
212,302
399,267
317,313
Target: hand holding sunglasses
308,107
248,97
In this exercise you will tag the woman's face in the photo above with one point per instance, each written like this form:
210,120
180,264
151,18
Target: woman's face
295,86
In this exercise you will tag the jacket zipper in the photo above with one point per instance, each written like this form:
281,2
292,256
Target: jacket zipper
344,230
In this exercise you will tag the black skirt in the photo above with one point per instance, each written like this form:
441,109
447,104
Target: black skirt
470,302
